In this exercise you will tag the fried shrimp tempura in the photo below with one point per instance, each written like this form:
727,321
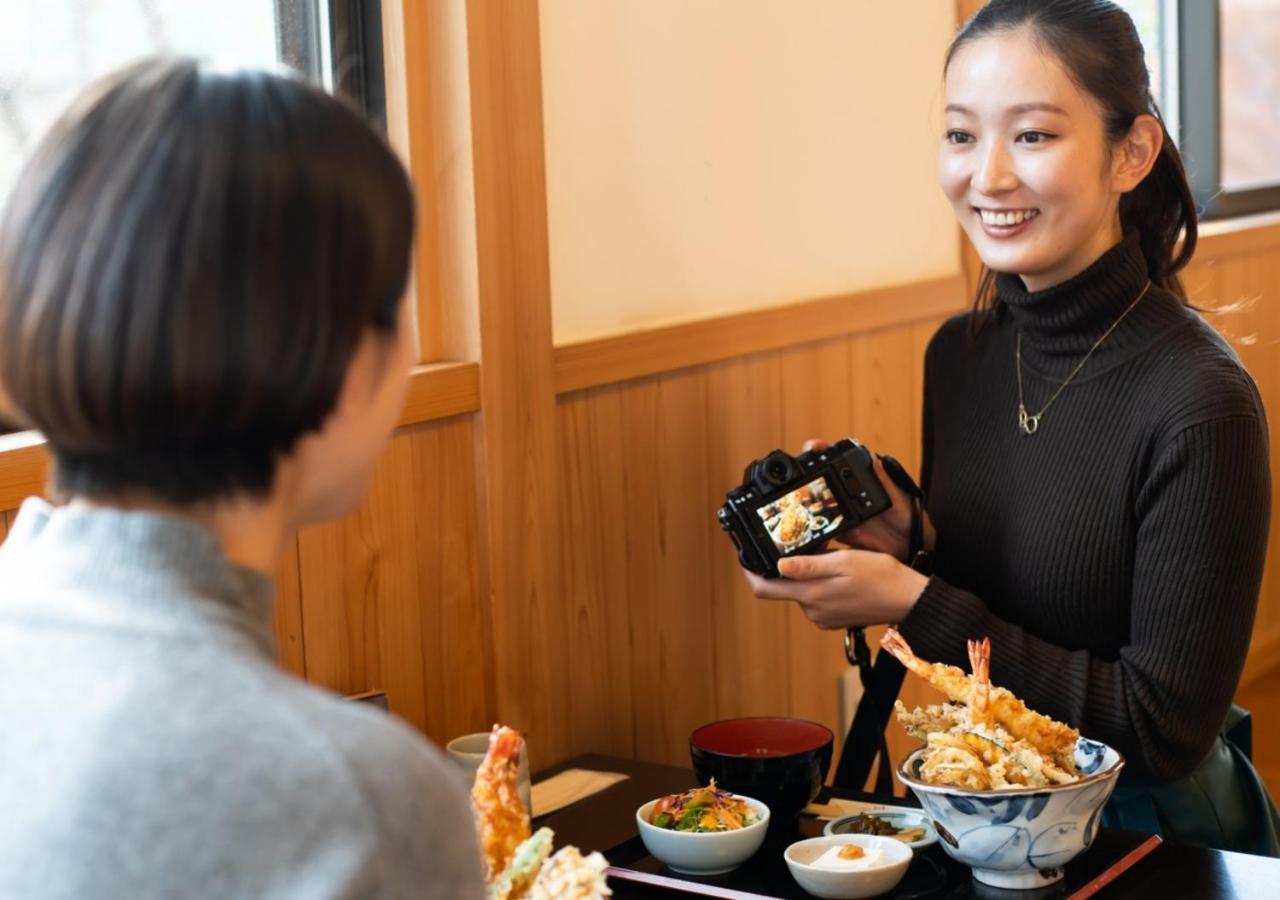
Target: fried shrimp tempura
571,876
501,820
1051,739
986,738
520,865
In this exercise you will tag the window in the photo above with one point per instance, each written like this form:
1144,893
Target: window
1231,103
51,49
1217,79
1154,23
1250,87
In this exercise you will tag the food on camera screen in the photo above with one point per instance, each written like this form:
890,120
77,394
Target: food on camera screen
703,809
985,738
806,514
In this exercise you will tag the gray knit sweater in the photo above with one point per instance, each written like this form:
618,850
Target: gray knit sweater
150,747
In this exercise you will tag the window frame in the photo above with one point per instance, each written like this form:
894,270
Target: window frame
337,43
383,62
1199,95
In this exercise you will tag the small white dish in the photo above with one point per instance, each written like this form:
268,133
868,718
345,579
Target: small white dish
848,884
703,853
900,819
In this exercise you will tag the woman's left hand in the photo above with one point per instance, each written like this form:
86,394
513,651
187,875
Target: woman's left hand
845,588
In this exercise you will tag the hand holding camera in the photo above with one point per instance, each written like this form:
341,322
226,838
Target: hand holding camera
890,531
790,506
787,511
845,588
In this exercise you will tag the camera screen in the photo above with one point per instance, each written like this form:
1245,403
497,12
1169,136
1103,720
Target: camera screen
807,514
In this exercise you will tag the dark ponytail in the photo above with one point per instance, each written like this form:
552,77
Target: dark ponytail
1099,47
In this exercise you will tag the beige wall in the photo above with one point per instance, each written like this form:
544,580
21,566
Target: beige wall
711,156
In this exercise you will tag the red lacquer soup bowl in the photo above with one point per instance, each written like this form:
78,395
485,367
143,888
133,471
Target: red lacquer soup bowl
780,761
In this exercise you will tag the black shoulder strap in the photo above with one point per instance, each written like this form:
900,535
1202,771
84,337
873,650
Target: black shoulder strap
882,681
866,737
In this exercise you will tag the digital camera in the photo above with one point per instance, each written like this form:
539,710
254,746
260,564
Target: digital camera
791,505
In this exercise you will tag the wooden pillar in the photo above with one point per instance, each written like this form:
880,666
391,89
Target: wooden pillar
969,261
520,504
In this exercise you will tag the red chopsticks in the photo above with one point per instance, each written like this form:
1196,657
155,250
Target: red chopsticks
1118,868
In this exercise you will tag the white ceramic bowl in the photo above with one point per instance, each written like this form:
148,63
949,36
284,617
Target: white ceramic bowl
705,853
1020,837
900,819
851,884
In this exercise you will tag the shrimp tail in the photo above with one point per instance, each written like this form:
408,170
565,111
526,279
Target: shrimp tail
980,665
951,681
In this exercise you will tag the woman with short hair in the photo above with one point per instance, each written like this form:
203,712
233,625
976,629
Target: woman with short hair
201,308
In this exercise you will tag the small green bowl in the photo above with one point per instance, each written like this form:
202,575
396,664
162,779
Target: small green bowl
900,819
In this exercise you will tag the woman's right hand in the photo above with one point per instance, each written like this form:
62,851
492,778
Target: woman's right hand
889,532
844,588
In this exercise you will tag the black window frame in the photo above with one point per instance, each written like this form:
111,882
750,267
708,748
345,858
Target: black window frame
354,44
1199,55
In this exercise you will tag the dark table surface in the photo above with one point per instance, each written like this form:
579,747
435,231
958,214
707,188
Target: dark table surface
606,822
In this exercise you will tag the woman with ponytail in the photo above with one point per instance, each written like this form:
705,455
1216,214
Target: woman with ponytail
1095,458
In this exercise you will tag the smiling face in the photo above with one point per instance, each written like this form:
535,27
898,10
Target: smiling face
1026,162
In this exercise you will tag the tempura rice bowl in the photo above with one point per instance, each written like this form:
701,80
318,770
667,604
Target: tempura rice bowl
1020,837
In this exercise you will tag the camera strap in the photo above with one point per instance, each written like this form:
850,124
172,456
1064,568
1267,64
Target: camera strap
880,682
917,556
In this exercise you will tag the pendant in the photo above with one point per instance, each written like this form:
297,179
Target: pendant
1027,424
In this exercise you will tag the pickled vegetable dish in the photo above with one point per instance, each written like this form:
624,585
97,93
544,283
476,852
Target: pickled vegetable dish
866,823
702,810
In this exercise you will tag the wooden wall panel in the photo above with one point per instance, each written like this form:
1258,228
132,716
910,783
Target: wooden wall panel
4,524
593,445
635,582
342,567
1250,282
456,670
659,584
24,465
390,592
287,614
676,658
744,421
818,404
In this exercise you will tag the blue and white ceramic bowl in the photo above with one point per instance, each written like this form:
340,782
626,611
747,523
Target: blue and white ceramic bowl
1020,837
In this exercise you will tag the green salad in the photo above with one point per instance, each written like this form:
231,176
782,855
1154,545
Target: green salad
703,809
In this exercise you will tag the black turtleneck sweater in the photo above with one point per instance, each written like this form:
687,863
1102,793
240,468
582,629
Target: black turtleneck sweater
1115,556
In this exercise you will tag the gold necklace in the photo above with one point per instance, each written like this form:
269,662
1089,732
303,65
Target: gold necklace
1030,424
